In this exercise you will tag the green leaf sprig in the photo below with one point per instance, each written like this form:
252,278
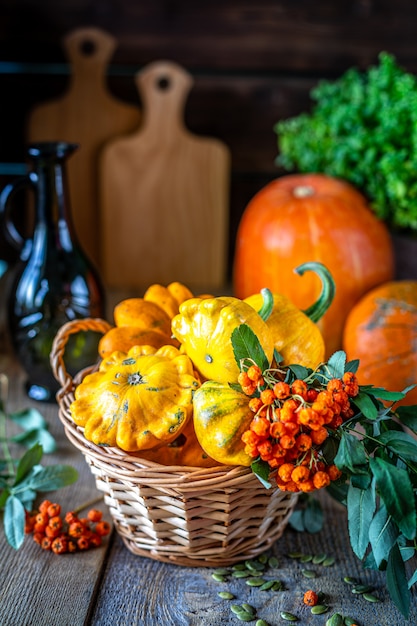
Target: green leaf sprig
376,451
362,128
22,478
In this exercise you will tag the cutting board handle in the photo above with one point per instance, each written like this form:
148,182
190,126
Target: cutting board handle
163,87
89,50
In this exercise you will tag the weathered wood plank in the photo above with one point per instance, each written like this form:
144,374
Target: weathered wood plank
38,587
142,591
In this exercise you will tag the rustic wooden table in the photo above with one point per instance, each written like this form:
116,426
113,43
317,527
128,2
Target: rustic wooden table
111,586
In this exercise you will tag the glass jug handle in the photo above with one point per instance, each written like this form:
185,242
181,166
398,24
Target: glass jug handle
12,235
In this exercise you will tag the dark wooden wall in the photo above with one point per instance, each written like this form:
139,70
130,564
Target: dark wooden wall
253,62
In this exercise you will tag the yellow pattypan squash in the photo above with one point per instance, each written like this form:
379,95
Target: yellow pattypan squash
221,416
138,400
204,326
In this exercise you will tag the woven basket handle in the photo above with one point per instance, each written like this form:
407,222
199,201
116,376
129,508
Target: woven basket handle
60,341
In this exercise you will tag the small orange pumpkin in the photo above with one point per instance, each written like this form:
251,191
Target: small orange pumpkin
381,331
312,217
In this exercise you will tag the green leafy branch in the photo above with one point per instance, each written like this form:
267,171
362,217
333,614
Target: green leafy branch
22,478
378,460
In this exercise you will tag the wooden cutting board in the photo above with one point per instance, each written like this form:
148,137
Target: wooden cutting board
89,115
164,193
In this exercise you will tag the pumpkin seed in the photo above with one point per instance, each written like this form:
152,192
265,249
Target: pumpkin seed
255,566
261,622
242,573
309,573
277,586
350,581
239,566
370,597
319,609
226,595
255,582
219,578
263,558
221,571
349,621
268,585
241,614
295,555
306,558
319,558
335,620
290,617
249,608
329,561
359,589
273,562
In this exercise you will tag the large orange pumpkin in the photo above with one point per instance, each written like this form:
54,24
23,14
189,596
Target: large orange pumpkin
312,217
381,331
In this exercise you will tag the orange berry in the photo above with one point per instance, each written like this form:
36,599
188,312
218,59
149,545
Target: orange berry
55,522
319,435
334,472
335,384
311,598
277,429
267,396
95,540
54,509
250,437
321,479
52,532
243,379
83,543
94,515
307,486
38,537
249,390
261,426
287,442
303,442
76,529
299,388
43,507
265,450
254,372
42,518
300,474
255,404
103,528
281,390
46,543
59,546
285,471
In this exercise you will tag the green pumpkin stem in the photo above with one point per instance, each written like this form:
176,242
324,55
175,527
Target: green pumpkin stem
319,308
267,304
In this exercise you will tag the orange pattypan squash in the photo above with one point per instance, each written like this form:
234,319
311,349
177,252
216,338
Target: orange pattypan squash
312,217
381,331
122,338
136,401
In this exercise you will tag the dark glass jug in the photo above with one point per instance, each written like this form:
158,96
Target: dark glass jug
54,281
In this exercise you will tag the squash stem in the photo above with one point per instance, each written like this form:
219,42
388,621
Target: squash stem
267,304
319,308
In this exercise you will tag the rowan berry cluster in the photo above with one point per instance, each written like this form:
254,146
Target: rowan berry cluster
65,534
291,422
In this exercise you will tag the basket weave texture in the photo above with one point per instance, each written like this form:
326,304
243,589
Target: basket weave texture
176,514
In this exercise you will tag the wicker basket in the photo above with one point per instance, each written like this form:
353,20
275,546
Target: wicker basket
176,514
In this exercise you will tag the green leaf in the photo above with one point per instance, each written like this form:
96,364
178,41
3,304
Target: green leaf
246,345
351,456
336,364
31,458
3,498
352,366
14,522
28,419
400,443
40,435
396,491
384,394
262,470
365,405
296,521
52,477
413,580
361,506
300,372
397,581
383,534
313,516
408,416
